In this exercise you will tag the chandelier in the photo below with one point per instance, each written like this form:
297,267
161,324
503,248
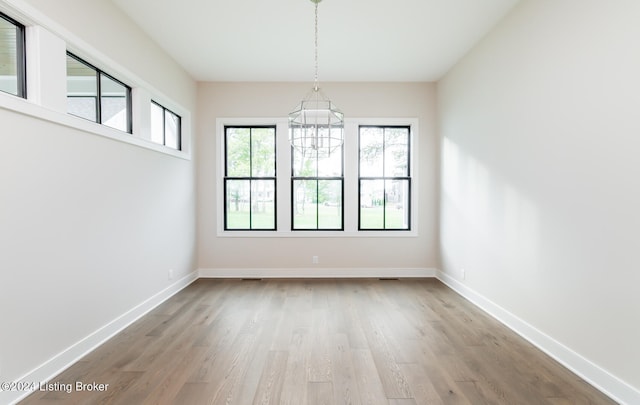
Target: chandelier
316,125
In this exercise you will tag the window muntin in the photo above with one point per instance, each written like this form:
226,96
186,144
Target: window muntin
12,57
94,95
317,188
166,127
384,178
250,178
157,123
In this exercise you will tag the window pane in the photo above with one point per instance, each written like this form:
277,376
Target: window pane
263,142
157,124
82,90
83,107
113,102
171,130
304,165
305,213
329,204
237,204
238,152
331,166
8,57
396,204
263,204
371,151
396,152
312,165
371,204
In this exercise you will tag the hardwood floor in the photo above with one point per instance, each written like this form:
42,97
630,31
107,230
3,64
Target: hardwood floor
392,342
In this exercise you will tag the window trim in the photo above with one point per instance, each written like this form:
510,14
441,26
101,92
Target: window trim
21,58
384,178
99,74
250,178
350,209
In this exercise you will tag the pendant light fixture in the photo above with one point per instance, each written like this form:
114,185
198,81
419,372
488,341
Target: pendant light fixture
316,125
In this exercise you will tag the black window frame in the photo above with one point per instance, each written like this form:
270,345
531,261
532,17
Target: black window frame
21,59
99,74
317,179
251,178
164,126
385,178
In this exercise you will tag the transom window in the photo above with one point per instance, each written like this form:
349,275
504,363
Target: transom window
12,57
165,126
94,95
384,178
250,178
317,185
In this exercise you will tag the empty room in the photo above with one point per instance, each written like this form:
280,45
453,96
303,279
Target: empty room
319,202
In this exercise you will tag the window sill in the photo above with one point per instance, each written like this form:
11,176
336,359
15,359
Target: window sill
318,234
28,108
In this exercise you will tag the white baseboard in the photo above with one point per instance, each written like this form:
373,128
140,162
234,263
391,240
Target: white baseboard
60,362
317,272
609,384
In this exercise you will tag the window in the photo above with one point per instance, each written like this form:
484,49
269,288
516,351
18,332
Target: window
165,126
384,182
364,188
316,190
96,96
250,178
12,57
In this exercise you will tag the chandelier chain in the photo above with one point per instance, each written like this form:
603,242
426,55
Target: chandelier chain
316,48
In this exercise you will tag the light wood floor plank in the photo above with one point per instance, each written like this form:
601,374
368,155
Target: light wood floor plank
394,382
270,385
367,378
294,390
320,393
320,368
421,385
345,386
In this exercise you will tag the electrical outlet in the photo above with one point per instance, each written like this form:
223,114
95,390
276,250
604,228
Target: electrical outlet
315,259
170,274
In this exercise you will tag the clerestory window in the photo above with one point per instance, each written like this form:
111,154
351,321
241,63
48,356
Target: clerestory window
12,57
96,96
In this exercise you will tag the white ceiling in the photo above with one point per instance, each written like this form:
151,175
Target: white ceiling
359,40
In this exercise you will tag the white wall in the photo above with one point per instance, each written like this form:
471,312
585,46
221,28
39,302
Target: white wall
90,226
540,188
274,100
